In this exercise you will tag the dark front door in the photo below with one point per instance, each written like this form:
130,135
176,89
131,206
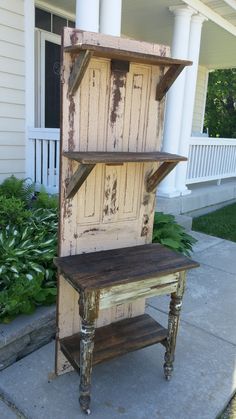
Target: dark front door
52,85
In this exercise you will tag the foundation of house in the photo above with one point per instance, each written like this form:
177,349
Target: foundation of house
204,198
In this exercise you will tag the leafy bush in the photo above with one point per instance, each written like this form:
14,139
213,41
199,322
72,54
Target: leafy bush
12,210
27,273
167,232
43,200
28,236
21,189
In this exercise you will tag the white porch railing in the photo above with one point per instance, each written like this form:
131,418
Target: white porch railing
211,159
43,154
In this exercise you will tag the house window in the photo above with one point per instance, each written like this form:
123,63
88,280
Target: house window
50,22
43,20
47,47
58,24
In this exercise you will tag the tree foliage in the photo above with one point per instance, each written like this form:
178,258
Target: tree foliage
220,116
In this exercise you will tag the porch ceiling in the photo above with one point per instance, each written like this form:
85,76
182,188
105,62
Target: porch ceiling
150,20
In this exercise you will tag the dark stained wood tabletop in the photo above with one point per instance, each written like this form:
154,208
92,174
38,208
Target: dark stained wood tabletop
121,266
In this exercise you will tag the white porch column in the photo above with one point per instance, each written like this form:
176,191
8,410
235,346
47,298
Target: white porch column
174,105
110,17
189,97
87,15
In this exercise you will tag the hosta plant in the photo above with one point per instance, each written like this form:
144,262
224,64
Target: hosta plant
27,274
167,232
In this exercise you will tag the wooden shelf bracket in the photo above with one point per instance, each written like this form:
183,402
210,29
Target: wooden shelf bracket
78,70
163,170
78,178
168,79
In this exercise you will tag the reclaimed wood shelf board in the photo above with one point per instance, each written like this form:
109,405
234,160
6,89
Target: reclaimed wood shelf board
116,339
122,48
88,44
88,160
114,267
94,157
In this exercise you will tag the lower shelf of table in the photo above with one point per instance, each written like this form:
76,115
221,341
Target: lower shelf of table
117,339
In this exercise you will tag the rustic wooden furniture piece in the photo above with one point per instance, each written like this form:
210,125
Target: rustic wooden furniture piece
112,113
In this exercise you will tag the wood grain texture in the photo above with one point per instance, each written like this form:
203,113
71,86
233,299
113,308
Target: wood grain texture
173,325
162,171
121,266
120,48
133,291
121,157
78,178
116,339
168,79
78,70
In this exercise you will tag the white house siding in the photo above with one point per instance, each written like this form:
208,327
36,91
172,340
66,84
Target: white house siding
200,100
12,89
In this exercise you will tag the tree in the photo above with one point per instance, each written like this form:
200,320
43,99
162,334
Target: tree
220,116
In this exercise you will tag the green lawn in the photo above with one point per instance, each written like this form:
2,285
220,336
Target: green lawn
220,223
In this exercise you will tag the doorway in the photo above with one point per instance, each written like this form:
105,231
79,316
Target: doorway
48,108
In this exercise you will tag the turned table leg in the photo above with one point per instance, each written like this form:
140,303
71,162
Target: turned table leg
88,308
173,324
86,359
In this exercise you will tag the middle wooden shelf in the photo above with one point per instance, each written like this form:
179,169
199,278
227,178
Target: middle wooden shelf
88,160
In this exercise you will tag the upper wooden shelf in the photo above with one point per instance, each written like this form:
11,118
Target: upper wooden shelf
94,157
114,267
121,48
89,159
88,44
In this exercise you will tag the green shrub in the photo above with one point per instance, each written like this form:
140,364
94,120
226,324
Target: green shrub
44,200
167,232
19,188
27,273
12,211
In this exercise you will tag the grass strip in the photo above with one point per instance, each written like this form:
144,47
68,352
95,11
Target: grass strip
220,223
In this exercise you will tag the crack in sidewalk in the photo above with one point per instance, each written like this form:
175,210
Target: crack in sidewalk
12,406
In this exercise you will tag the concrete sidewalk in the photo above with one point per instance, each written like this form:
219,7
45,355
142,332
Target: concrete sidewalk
133,386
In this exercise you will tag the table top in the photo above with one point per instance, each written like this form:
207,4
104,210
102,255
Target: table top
114,267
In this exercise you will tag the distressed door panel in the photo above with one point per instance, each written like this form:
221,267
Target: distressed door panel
89,198
136,107
155,114
131,181
113,112
92,104
111,199
115,121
